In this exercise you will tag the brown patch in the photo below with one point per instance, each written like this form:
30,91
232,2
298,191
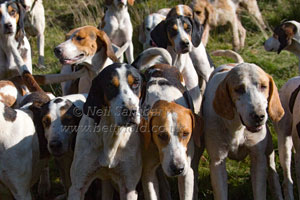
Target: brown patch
131,2
175,27
30,82
181,10
46,121
9,114
8,100
130,79
115,81
23,53
13,12
275,109
90,40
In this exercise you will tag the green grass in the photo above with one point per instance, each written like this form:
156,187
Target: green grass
62,16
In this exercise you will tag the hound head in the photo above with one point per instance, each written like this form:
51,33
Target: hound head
283,37
82,44
115,92
60,118
249,93
12,19
203,12
119,3
170,127
180,30
148,25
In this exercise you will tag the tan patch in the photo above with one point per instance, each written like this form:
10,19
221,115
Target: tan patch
131,2
63,110
185,26
175,27
10,9
290,30
8,100
46,121
115,81
171,40
130,79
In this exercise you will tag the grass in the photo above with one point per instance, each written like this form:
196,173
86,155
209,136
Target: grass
62,16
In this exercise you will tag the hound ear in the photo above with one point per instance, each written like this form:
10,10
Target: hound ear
222,102
159,35
39,128
103,40
145,130
95,101
142,35
197,128
197,31
285,37
20,26
275,109
108,2
131,2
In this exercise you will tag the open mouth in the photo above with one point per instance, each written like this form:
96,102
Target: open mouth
252,129
72,60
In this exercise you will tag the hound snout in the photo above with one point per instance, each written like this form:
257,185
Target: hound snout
8,27
56,147
176,169
58,52
130,115
257,117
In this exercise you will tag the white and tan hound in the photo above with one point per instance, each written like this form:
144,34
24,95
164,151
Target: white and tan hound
117,25
236,105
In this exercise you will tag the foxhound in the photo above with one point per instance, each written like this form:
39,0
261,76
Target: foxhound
12,35
217,13
286,36
108,142
117,25
178,34
288,134
166,103
236,105
84,45
35,25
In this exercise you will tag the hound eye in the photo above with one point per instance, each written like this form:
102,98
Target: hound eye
240,90
185,134
198,12
163,136
13,12
263,87
135,84
79,38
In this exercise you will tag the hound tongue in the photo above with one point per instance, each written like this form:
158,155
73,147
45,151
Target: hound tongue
254,129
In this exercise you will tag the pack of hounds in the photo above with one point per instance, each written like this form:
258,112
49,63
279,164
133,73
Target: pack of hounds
120,130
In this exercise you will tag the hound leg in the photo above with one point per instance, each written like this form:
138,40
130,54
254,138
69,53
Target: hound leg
164,186
218,176
44,184
186,185
150,182
41,46
285,145
273,177
129,53
242,33
235,33
83,172
258,173
253,9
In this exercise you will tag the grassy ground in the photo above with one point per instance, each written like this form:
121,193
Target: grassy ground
62,16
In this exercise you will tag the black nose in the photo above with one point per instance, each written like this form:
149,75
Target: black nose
176,169
58,51
55,145
184,44
258,117
8,25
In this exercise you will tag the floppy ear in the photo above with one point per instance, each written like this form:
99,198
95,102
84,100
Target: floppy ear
39,128
197,128
95,101
285,37
197,31
131,2
159,35
275,109
108,2
103,40
222,102
145,129
20,26
142,35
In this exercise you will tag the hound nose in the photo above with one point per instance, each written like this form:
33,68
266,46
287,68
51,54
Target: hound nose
177,170
184,43
258,117
55,144
8,25
58,51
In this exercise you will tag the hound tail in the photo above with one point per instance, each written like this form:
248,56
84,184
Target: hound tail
152,56
228,53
